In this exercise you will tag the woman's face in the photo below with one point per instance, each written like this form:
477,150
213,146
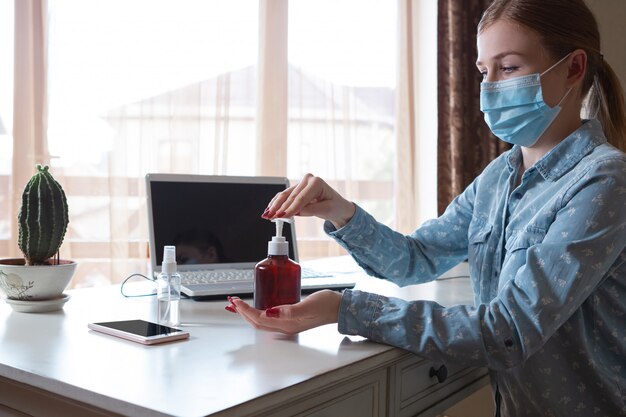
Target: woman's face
509,50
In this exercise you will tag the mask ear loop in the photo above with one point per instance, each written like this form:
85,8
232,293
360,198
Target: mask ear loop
564,97
554,65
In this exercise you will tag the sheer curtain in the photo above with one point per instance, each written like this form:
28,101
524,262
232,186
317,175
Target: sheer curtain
416,131
6,126
341,105
167,86
244,87
29,102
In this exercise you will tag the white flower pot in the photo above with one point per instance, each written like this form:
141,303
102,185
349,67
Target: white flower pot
34,282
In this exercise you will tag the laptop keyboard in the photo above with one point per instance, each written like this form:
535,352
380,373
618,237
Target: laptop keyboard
232,276
216,276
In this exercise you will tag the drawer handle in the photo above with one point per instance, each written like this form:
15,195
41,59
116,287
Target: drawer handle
441,373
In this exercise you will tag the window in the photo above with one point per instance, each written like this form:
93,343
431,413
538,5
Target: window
138,87
171,86
6,119
342,77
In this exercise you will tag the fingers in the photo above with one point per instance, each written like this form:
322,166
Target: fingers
274,208
304,194
284,200
300,199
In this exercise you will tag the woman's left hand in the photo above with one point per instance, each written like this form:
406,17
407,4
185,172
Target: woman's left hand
319,308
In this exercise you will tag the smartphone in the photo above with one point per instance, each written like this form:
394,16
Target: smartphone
140,331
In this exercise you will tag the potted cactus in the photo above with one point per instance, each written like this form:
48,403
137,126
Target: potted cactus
43,220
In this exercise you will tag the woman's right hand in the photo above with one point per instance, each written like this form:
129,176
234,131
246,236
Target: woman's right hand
312,196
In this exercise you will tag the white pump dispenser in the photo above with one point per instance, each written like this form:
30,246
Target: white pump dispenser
168,290
169,259
279,245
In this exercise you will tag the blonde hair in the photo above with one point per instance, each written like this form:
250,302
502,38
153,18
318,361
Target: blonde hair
566,25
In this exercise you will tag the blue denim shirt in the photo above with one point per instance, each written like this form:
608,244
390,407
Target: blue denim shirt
547,266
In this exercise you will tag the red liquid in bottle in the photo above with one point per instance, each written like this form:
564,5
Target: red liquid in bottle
276,282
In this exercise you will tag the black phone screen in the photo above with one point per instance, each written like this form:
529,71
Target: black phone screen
140,327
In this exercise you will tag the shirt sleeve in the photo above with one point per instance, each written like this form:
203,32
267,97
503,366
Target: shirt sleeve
583,246
422,256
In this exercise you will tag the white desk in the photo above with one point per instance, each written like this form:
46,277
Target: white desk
52,365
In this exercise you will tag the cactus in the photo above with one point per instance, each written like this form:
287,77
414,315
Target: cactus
43,218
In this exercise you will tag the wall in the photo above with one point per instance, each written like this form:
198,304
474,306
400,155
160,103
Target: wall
611,17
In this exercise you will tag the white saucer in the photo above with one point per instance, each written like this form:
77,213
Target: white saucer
41,306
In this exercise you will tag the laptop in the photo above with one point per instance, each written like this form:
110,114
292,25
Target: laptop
215,223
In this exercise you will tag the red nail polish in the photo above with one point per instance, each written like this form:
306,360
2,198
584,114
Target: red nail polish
272,312
281,214
230,308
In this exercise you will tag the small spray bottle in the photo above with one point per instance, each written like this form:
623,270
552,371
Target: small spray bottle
168,293
276,278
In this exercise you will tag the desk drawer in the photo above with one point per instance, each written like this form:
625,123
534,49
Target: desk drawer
365,396
416,388
21,400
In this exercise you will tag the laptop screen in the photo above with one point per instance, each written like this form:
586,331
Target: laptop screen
214,221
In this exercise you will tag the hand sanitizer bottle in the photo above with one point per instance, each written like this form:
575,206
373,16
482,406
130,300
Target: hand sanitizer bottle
276,278
168,293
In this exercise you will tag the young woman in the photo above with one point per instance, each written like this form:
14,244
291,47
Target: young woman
543,228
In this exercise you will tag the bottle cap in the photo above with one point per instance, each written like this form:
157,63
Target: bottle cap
169,259
279,245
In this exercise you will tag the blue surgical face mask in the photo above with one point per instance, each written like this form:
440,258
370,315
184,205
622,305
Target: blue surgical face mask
514,109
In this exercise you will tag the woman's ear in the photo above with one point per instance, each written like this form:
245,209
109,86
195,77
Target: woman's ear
577,66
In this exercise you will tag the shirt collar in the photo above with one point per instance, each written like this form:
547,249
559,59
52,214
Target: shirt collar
566,154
